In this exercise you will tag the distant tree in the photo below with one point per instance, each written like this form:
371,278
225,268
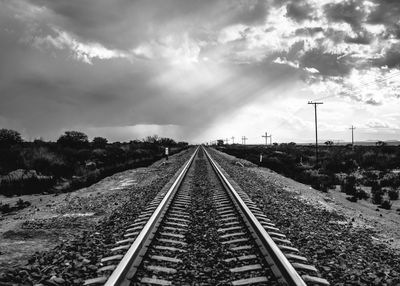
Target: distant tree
9,137
380,143
151,139
99,142
73,139
166,142
328,143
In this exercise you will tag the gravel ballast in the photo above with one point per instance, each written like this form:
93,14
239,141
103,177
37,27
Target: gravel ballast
344,254
76,259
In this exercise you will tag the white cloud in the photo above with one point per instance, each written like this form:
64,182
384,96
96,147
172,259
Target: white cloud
85,52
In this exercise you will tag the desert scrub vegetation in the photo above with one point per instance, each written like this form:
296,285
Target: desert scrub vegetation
19,205
72,161
353,169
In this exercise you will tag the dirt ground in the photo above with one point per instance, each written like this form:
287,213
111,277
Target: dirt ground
54,218
384,223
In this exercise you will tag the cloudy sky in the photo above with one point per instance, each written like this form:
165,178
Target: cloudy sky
200,70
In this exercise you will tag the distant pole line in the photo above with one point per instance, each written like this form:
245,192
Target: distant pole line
233,139
244,138
226,141
316,130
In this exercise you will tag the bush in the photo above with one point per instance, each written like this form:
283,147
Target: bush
386,204
9,137
352,199
73,139
348,186
361,194
377,197
99,142
393,194
5,208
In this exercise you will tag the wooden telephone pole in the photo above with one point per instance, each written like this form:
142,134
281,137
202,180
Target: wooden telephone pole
352,135
316,130
266,138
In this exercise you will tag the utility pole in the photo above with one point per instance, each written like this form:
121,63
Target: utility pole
352,135
244,138
226,141
233,139
266,138
316,130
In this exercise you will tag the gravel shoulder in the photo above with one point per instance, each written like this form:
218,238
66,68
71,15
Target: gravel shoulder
59,222
350,243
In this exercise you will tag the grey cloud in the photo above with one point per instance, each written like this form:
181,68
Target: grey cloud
335,36
308,31
372,101
123,24
349,11
386,12
295,50
362,38
45,91
326,63
299,11
391,57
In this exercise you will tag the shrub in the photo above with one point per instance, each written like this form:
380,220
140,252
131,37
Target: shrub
393,194
361,194
386,204
5,208
352,199
9,137
377,196
99,142
73,139
348,186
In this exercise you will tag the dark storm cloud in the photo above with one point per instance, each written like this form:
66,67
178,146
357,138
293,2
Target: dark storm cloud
299,11
386,12
45,90
327,64
122,24
391,57
347,11
294,50
362,38
308,31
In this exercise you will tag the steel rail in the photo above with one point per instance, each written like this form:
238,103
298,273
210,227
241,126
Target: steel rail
131,260
281,267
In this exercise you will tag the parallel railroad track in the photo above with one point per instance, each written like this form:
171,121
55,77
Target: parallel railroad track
204,232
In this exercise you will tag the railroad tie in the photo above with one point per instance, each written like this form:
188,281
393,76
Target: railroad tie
155,281
166,258
249,281
111,258
232,235
169,248
163,269
241,258
246,268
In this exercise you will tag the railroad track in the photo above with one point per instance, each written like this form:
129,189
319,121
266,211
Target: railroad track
204,232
